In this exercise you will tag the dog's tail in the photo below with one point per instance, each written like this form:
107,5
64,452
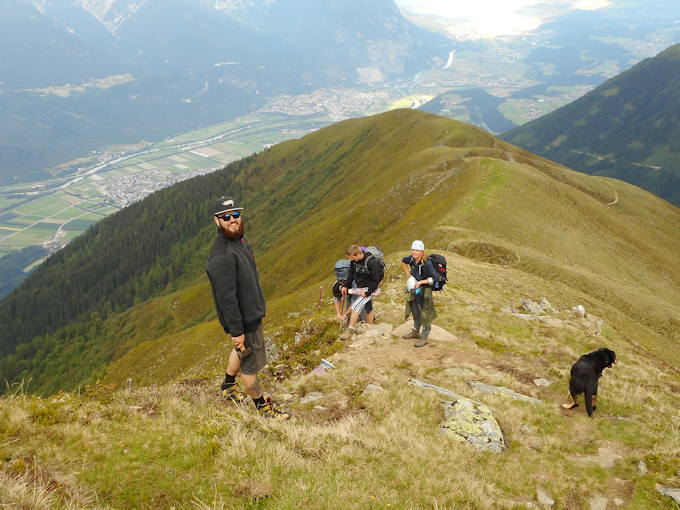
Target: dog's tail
589,402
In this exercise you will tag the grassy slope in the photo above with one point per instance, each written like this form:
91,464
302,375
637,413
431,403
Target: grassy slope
481,198
177,445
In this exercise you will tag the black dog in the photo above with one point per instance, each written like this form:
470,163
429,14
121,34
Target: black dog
585,374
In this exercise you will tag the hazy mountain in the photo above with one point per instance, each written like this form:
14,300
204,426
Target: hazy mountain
628,128
348,40
36,52
111,288
186,64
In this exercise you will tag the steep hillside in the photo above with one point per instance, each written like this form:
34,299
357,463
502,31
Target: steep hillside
154,434
383,180
628,128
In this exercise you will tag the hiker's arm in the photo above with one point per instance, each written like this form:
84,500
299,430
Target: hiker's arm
222,274
406,266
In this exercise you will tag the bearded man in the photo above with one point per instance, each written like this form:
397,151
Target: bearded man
240,306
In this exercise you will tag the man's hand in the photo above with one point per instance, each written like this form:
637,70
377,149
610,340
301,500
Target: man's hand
239,341
364,293
343,290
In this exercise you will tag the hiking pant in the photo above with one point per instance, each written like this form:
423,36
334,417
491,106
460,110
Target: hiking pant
416,310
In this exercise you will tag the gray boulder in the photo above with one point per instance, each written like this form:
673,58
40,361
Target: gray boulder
488,388
532,307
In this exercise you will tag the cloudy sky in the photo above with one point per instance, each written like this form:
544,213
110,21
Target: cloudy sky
488,18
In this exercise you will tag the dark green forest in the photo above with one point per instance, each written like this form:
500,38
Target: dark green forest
627,128
12,267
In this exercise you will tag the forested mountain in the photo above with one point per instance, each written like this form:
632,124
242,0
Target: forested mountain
628,128
137,277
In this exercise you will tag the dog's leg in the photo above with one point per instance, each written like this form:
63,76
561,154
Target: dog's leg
594,401
573,404
589,401
573,395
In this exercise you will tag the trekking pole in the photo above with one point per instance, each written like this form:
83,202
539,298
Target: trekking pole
320,295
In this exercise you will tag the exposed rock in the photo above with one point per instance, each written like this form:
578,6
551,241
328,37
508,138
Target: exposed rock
438,389
487,388
579,311
372,388
362,341
642,468
674,494
509,309
618,501
532,307
543,498
271,349
437,334
467,422
384,327
311,397
607,457
546,306
598,503
542,382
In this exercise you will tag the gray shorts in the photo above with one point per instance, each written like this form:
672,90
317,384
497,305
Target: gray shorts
258,359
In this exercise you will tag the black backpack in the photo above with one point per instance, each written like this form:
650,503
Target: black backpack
374,251
439,263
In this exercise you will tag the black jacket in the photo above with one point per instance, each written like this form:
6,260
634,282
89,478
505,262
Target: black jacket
235,285
366,272
421,271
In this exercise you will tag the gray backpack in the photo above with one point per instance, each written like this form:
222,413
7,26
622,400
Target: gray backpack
374,251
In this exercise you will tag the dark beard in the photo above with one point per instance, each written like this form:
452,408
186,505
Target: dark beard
232,235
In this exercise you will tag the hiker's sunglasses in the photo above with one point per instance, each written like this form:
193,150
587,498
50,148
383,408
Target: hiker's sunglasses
227,217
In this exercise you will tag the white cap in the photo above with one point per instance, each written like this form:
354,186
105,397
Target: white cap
418,245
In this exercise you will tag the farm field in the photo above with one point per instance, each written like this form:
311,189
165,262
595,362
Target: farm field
52,212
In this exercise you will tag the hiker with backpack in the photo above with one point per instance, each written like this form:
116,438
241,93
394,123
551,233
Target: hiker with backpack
424,278
367,269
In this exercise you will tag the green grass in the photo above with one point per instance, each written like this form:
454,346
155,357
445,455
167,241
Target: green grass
478,199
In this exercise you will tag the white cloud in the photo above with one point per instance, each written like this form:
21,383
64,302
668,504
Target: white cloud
491,18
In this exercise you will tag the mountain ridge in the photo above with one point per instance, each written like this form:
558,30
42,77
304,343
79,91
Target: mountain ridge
600,237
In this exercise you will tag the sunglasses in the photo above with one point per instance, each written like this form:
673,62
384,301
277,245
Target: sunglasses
227,217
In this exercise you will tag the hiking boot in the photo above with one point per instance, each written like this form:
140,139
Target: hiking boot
411,335
347,334
268,410
233,393
421,343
